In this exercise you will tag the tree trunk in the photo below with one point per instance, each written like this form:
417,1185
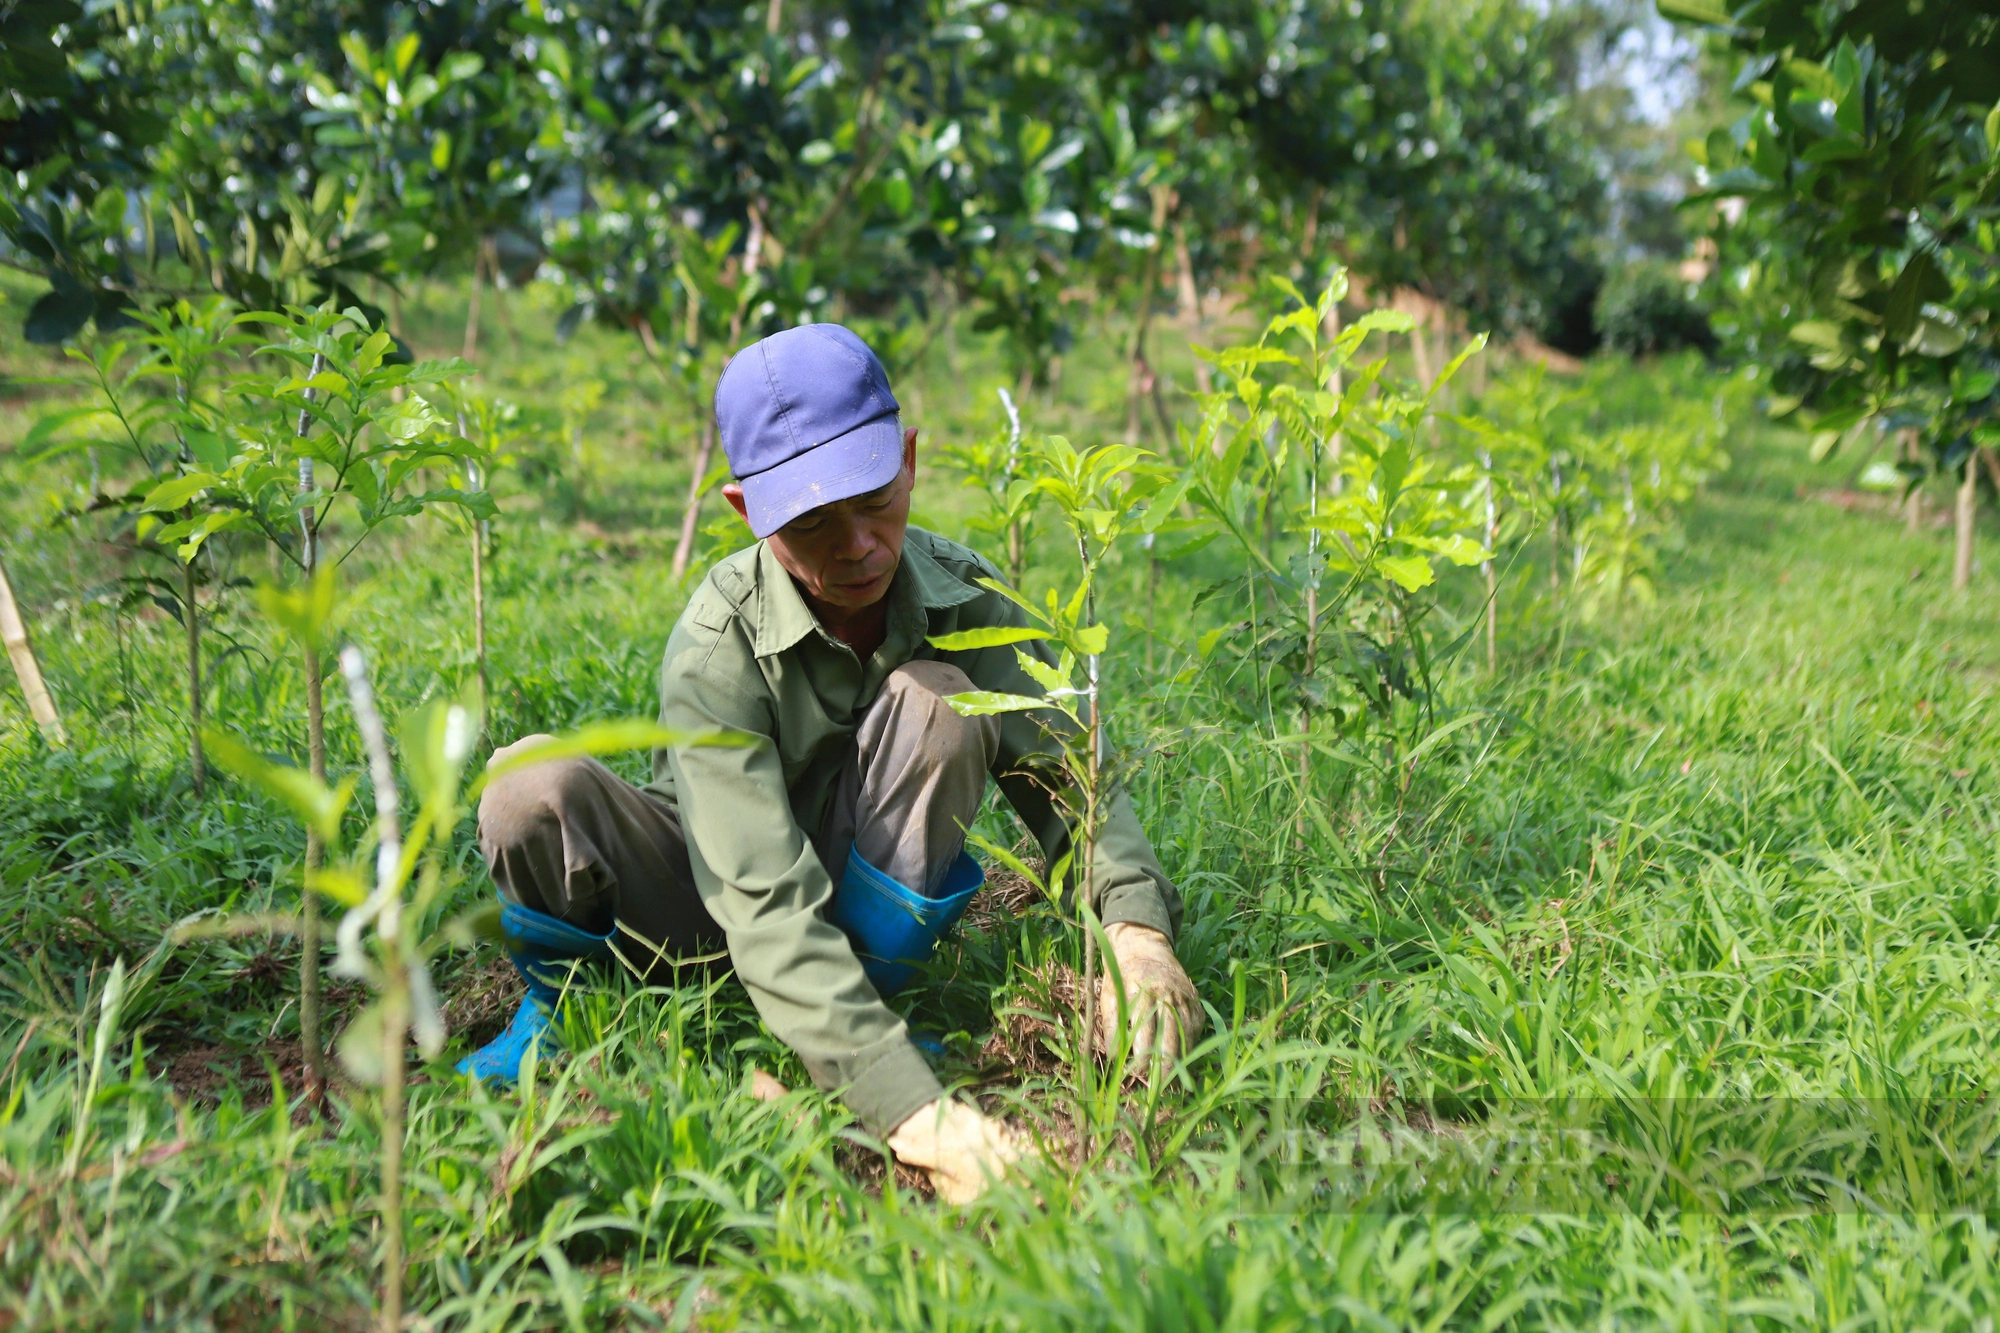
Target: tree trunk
1913,503
1966,518
197,759
1140,375
753,249
1191,304
1420,347
471,346
704,452
1309,234
14,630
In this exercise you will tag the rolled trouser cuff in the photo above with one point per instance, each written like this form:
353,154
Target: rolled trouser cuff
543,948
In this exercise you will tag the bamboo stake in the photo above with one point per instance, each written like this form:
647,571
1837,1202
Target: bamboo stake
395,1012
473,482
1486,567
1088,851
41,704
1331,452
1016,554
311,1046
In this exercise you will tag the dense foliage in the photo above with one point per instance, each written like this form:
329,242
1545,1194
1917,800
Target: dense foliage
1864,267
895,157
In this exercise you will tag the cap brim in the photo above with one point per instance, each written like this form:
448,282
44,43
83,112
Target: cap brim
867,457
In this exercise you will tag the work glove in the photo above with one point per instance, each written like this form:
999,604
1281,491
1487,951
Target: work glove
1160,1001
963,1150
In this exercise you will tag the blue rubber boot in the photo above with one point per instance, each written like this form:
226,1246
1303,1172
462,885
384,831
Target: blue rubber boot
540,947
892,927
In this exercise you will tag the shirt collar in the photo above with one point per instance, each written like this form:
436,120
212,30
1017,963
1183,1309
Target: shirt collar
784,619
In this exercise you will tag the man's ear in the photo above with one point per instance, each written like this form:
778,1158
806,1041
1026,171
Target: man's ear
910,452
734,494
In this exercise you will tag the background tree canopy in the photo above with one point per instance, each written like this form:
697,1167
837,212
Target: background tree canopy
891,161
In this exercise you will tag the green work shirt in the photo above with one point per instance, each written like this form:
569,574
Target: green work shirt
749,655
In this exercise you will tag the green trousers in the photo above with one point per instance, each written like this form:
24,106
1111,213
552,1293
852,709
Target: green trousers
574,840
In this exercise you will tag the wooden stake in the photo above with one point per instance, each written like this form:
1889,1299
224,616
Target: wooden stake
41,704
311,1043
1966,518
1913,505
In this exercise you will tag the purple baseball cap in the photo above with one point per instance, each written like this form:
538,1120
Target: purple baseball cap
807,419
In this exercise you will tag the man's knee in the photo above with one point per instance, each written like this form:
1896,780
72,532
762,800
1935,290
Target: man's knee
927,684
529,802
917,692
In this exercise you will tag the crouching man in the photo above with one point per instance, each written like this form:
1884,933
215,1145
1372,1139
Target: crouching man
830,857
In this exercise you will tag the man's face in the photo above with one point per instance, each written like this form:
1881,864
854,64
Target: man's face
845,554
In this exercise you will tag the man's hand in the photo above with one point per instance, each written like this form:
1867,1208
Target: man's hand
963,1150
1160,1001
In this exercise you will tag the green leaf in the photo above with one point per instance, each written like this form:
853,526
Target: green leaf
1044,675
305,613
360,1046
177,491
1383,321
1822,333
220,520
980,703
611,738
1410,572
1011,861
1704,12
993,636
317,805
1093,639
1462,550
339,883
49,423
209,449
1921,280
372,351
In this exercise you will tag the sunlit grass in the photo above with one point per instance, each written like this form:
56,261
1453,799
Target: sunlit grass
1659,996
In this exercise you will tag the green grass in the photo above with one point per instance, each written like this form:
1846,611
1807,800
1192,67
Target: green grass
1658,996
